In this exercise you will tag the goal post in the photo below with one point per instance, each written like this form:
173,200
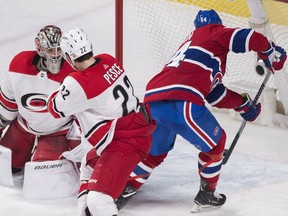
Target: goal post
119,30
148,32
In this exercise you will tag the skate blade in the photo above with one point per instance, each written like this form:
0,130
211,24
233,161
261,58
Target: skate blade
201,208
129,194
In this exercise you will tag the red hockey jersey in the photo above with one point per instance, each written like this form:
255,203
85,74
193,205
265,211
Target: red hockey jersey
195,71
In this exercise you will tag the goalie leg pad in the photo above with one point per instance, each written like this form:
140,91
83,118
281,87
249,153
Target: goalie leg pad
50,179
6,167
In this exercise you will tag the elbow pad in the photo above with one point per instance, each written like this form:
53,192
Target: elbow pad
216,95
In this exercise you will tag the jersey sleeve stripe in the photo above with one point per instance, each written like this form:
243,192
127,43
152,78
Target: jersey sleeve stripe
173,88
8,104
239,42
203,58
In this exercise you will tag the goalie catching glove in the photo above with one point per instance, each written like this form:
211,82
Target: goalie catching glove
274,57
247,110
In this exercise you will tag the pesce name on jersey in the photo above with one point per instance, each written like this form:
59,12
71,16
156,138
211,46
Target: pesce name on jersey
113,73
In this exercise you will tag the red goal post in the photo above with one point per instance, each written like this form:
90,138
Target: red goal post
148,32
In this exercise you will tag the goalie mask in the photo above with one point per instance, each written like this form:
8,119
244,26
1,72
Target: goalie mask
47,44
75,44
205,17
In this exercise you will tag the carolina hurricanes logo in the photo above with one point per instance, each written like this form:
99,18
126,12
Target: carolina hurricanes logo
35,102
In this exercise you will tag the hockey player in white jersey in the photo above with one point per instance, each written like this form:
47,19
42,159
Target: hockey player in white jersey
34,138
101,97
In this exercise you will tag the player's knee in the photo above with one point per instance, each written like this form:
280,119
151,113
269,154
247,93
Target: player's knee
219,148
216,153
101,204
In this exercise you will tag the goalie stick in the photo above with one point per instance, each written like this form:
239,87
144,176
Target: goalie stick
228,152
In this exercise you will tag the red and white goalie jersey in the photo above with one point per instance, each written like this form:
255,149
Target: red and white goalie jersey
195,71
25,90
97,96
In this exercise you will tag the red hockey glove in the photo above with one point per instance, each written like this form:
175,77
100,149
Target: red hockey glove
274,57
247,110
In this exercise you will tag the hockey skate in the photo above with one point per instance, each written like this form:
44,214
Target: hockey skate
126,195
207,200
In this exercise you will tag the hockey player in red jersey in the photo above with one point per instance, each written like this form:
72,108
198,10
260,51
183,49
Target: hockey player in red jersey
101,97
33,134
177,98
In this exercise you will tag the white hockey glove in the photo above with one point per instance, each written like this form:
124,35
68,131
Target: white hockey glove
78,152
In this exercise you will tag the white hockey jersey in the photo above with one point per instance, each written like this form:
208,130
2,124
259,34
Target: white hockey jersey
24,92
97,96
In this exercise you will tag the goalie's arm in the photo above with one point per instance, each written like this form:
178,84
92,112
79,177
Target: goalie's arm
9,107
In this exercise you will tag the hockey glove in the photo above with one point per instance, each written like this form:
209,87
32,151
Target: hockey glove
274,57
78,152
247,110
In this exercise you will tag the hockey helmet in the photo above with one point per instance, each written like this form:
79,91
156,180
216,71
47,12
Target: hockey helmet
75,44
47,43
205,17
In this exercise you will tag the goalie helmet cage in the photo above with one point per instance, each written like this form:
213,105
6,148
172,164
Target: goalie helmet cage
148,32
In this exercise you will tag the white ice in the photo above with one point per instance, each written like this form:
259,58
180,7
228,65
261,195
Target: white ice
255,179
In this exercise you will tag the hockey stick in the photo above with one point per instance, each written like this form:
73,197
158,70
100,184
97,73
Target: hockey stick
228,152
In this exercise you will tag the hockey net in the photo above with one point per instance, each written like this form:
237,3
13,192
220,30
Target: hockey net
154,29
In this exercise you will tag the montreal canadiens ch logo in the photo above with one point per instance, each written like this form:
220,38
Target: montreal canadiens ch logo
35,102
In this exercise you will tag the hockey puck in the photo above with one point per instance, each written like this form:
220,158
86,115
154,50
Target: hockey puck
260,70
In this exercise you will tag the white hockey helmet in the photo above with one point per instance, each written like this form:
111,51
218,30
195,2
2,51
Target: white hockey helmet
75,43
47,43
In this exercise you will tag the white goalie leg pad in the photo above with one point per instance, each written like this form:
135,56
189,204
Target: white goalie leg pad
6,167
50,179
100,204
